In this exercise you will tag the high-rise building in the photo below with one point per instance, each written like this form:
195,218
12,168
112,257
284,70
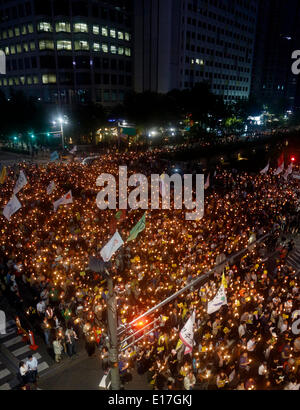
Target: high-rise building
67,51
179,43
278,35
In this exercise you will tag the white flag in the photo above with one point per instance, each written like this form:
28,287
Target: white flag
111,247
74,149
11,207
51,187
21,182
66,199
279,169
187,334
2,323
207,184
288,171
219,300
162,185
266,169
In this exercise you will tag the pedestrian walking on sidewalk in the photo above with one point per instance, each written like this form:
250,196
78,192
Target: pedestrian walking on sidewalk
71,338
58,348
47,330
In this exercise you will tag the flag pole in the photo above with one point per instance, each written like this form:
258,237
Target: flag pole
112,331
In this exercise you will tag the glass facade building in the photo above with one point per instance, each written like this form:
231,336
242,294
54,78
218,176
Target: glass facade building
179,43
67,51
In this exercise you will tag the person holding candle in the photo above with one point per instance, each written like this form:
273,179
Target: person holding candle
57,348
189,380
46,327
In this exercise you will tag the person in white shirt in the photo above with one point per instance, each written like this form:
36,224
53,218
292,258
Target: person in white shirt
32,365
41,307
23,374
49,312
189,381
292,385
251,344
242,330
283,326
263,370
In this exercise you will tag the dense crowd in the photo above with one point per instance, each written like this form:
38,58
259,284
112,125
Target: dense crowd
247,344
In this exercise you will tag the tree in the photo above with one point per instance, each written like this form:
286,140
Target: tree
86,120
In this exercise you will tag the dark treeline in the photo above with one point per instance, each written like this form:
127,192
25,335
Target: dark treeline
21,115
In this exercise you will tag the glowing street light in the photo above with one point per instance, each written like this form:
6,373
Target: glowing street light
61,120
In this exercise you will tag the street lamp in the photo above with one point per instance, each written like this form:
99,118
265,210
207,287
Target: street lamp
61,121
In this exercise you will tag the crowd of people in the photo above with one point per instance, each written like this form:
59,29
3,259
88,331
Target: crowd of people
247,344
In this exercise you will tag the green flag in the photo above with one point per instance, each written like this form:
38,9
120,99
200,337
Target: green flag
139,227
118,215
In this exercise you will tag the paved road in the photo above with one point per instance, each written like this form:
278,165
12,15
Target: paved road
13,350
83,373
11,158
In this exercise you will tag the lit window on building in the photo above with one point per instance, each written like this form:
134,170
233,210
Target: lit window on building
19,48
6,50
121,50
24,30
22,80
120,35
44,26
12,50
81,45
25,47
113,49
4,81
10,81
32,45
17,31
96,47
80,28
4,34
16,80
45,45
112,33
64,45
49,78
127,36
10,33
30,28
105,48
96,30
127,52
29,80
104,31
63,26
35,79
